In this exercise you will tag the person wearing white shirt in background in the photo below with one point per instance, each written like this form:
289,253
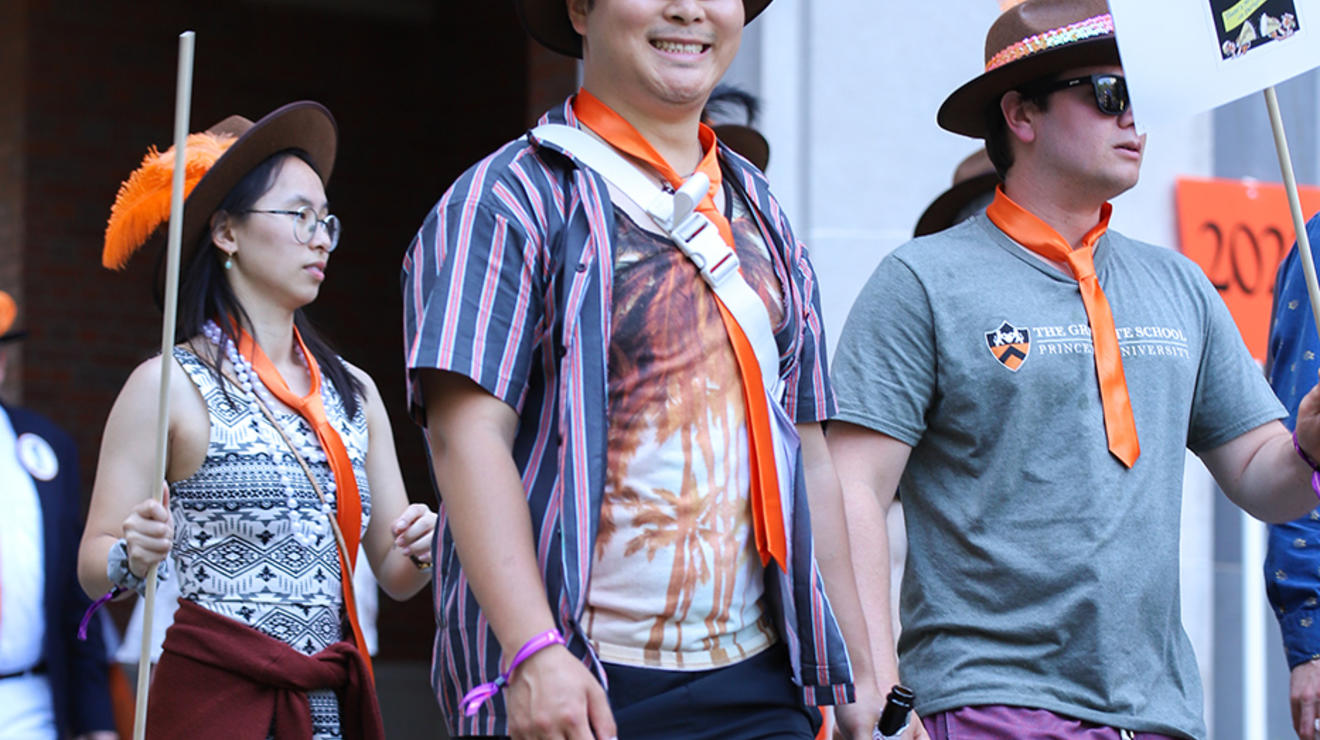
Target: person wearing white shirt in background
51,684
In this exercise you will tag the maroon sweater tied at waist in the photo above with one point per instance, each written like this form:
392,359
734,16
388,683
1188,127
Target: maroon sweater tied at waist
219,679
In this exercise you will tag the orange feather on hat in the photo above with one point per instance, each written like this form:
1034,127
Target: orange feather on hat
143,201
8,311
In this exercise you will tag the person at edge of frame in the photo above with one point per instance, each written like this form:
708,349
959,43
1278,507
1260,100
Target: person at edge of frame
1292,582
52,685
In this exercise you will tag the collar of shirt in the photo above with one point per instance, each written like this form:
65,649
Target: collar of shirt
1024,227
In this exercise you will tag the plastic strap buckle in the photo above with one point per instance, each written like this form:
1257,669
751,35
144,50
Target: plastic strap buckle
701,242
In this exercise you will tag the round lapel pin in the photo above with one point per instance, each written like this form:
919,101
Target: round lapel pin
38,457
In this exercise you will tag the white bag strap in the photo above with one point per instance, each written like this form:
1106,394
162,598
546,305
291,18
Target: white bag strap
694,234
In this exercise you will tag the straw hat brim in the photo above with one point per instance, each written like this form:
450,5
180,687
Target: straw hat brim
547,22
942,211
964,111
305,125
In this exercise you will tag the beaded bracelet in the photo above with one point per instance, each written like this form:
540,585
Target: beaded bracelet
1315,468
473,699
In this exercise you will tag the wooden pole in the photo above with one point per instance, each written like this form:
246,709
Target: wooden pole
1294,203
182,105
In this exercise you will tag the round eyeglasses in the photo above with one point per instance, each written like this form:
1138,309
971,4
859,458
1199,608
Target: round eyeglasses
305,223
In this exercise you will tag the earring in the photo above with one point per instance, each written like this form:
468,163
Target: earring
229,261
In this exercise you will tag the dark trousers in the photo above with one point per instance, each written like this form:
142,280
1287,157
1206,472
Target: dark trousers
751,700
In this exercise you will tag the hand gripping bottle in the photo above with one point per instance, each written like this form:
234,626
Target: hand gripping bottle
894,719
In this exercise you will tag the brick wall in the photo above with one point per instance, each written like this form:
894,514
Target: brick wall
13,109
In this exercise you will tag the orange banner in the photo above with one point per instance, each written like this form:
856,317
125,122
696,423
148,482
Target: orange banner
1238,232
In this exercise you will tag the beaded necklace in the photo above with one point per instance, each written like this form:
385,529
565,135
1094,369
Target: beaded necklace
308,524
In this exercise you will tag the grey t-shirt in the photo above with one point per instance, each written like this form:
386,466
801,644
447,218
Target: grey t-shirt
1041,572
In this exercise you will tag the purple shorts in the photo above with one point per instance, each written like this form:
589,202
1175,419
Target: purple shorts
1021,723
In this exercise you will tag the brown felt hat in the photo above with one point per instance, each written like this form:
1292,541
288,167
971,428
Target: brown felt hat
547,22
1028,42
216,159
974,177
746,141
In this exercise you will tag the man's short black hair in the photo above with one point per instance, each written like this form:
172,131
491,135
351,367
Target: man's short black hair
997,143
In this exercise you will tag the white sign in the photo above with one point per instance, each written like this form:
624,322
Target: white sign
1183,57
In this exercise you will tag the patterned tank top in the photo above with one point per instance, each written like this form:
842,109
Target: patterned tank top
235,543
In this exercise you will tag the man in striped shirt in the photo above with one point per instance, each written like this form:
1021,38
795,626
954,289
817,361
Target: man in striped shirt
589,430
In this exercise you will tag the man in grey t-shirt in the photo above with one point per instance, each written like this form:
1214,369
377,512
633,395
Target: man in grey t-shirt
1030,381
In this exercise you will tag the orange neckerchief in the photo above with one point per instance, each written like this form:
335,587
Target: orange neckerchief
1036,235
347,502
767,516
612,127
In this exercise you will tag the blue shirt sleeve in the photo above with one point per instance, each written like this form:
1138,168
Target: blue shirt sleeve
1292,557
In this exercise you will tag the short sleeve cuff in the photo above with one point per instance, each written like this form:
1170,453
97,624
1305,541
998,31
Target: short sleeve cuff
908,435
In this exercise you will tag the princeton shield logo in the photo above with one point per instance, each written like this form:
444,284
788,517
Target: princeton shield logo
1009,344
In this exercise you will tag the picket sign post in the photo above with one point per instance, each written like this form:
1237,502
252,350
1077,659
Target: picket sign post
1294,202
182,105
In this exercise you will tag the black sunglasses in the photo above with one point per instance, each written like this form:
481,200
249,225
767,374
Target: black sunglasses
1111,95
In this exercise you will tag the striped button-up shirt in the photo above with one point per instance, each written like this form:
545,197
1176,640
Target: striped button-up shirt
509,283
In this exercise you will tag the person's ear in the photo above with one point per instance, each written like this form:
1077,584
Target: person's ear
1020,116
577,15
222,233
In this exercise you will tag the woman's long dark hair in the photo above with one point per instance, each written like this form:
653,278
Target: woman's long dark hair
205,294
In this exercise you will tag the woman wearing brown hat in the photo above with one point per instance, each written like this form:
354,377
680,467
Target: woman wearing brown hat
280,455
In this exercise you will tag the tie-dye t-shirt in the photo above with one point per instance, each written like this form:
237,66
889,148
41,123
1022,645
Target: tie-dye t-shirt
676,582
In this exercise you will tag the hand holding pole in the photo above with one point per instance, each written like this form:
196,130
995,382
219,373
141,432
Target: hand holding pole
182,105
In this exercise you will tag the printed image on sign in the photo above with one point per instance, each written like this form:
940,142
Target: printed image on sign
1184,57
1244,25
1239,232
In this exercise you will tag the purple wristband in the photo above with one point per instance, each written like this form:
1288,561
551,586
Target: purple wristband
1315,469
473,699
